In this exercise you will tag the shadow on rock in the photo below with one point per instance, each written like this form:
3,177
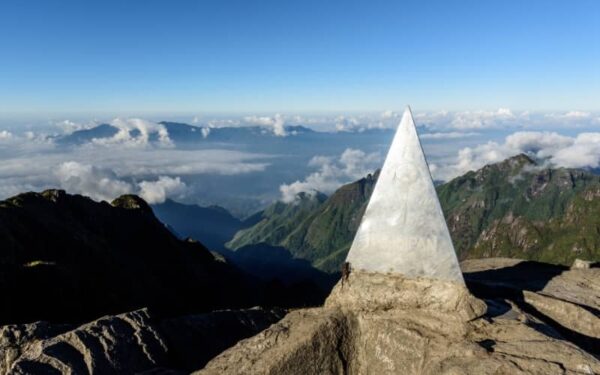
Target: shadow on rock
509,282
515,283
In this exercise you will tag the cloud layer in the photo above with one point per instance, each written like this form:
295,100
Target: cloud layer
142,158
332,172
276,123
122,164
580,151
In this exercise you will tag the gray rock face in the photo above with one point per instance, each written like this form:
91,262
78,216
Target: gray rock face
127,343
566,313
307,341
383,324
581,287
124,343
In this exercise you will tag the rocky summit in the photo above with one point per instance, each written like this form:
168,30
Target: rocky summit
513,317
387,324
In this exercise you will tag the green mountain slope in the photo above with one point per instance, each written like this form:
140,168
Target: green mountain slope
319,230
515,208
278,221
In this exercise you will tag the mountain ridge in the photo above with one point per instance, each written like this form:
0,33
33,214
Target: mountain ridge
98,258
181,132
501,209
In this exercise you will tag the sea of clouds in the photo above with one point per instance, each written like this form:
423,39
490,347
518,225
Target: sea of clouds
455,142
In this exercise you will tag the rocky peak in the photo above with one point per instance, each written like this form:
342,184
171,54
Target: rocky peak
53,195
311,196
132,202
514,163
508,167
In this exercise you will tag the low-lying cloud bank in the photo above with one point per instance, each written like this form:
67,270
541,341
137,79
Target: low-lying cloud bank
332,172
104,184
142,158
580,151
459,121
118,165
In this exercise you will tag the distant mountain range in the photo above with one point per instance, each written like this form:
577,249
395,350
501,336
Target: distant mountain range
183,133
516,208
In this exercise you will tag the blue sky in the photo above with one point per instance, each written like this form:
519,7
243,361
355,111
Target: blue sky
143,57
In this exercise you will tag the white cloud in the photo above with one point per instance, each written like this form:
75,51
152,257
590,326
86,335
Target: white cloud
446,121
360,123
447,135
570,115
386,115
105,171
158,191
143,128
558,150
347,124
332,172
220,123
584,151
577,114
104,184
482,119
277,123
68,126
98,184
542,144
5,134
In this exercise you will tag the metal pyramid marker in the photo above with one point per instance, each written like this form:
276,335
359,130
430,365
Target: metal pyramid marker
403,229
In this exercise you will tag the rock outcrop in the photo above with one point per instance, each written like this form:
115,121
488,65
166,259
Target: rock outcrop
124,343
127,343
384,324
581,264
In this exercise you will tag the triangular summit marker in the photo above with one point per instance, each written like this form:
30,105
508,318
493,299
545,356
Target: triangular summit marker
403,229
